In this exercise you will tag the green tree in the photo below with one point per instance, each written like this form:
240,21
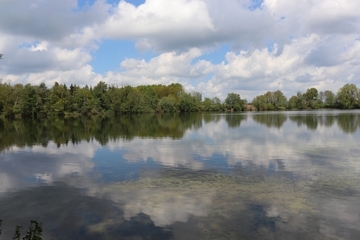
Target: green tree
166,104
301,102
271,101
150,100
17,92
41,104
293,102
329,99
260,102
312,98
217,104
207,105
28,101
190,102
83,101
116,97
348,97
280,101
186,103
7,98
101,102
58,99
234,102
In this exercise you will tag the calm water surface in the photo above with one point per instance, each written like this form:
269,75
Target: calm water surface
274,175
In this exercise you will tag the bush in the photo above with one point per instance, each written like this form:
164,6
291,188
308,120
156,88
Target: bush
166,104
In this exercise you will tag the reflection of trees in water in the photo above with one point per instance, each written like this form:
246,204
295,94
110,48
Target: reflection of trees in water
28,132
270,120
209,117
326,121
234,120
310,121
348,123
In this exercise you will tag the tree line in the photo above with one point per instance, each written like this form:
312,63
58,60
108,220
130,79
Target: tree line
348,97
38,100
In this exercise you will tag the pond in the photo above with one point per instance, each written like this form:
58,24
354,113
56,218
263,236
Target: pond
252,175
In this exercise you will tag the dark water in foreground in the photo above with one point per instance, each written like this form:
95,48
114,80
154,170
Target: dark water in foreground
274,175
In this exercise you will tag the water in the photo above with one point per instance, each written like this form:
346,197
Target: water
273,175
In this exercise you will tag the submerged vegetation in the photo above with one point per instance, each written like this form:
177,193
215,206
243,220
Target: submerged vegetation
38,100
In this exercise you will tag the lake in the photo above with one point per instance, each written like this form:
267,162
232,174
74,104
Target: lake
252,175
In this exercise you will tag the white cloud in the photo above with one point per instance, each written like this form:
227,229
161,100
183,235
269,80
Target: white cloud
48,20
166,64
160,23
275,46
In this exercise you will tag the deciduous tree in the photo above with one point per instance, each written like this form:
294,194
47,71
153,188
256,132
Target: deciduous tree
348,97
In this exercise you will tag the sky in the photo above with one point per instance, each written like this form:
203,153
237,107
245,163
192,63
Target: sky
214,47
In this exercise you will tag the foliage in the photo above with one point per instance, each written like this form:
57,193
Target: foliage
35,101
211,105
190,102
271,101
34,232
234,102
329,99
312,98
166,104
17,101
348,97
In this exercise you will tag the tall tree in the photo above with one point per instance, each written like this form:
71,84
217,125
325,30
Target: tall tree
293,102
233,101
58,98
311,97
100,100
271,101
329,99
348,97
280,101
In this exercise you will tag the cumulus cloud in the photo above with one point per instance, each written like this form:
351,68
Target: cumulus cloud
48,20
274,44
165,25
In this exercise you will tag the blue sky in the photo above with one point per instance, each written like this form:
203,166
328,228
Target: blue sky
214,47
